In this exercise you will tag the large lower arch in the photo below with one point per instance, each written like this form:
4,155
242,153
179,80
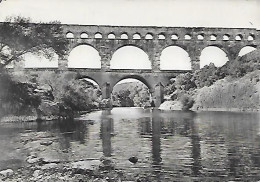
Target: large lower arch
131,92
133,77
91,80
213,54
245,50
130,57
84,56
175,58
95,93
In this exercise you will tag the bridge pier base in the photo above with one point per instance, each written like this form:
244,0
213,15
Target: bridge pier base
158,94
106,93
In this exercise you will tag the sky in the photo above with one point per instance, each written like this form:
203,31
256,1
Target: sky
188,13
211,13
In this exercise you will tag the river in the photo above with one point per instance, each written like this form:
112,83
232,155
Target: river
168,144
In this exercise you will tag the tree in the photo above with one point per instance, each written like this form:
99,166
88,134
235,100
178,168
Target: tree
16,97
18,37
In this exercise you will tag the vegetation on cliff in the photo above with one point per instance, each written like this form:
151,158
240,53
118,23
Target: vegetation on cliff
131,94
231,94
207,89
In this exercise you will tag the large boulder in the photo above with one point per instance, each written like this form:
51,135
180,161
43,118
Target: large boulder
7,173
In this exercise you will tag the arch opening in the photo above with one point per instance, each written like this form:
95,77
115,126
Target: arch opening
251,37
213,54
111,36
98,36
90,91
161,36
131,92
200,37
174,37
226,37
84,35
175,58
130,57
187,37
69,35
245,50
136,36
213,37
91,81
84,56
149,36
238,37
124,36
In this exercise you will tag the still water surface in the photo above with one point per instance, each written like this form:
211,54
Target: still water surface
168,144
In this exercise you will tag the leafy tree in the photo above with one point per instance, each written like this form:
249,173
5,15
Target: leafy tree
124,98
16,97
18,36
77,95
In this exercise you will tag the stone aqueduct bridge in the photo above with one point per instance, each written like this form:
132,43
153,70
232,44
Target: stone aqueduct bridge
152,40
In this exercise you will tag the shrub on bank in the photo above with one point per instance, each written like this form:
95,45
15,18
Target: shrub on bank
242,93
16,97
187,102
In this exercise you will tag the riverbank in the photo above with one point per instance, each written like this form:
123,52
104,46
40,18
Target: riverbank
17,119
47,161
177,106
33,118
228,94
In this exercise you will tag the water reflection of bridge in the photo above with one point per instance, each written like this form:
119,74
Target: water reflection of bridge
207,144
156,128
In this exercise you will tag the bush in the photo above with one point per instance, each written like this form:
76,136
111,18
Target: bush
187,102
16,97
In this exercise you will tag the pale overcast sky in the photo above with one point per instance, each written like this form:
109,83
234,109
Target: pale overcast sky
211,13
189,13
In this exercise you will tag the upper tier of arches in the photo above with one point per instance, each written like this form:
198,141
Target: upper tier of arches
163,36
172,57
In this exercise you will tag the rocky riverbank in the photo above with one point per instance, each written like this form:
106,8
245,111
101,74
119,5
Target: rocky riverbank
48,161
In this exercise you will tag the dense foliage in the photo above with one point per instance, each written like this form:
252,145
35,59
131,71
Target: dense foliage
77,95
187,84
16,97
18,37
131,94
210,74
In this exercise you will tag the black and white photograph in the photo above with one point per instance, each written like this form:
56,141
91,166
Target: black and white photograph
129,91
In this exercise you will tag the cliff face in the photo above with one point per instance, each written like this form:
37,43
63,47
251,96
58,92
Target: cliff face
227,94
234,86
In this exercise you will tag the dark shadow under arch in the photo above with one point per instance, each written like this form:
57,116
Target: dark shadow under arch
90,78
136,77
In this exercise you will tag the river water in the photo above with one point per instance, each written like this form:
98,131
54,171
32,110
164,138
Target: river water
168,144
